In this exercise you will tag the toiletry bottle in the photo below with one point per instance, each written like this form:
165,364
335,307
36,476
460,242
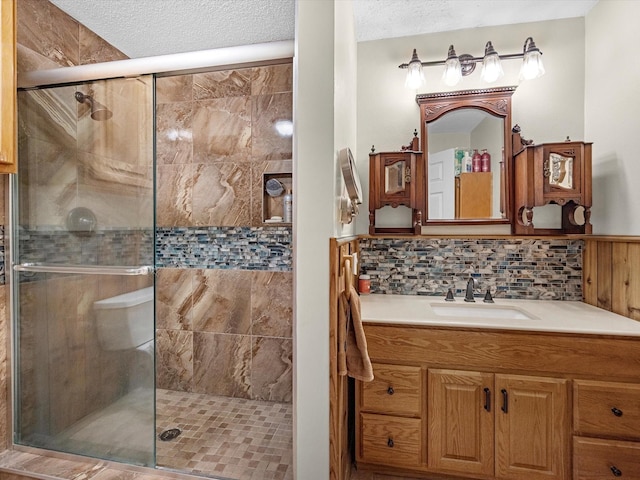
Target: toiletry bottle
486,161
466,162
476,161
364,284
288,207
458,165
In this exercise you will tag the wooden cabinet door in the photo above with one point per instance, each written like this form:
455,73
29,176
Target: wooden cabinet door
461,421
474,195
8,87
532,428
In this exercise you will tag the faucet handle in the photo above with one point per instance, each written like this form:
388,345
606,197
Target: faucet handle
487,297
449,297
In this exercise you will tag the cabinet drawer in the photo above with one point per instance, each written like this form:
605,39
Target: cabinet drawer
595,459
607,409
395,389
390,440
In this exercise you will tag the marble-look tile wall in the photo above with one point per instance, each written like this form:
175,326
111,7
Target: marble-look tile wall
216,136
224,290
511,268
47,38
225,332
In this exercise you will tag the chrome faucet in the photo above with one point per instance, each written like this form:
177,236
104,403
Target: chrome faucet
472,284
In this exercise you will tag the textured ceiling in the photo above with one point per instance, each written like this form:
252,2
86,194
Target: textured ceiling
142,28
377,19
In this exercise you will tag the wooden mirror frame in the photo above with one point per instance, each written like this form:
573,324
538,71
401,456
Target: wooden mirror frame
495,101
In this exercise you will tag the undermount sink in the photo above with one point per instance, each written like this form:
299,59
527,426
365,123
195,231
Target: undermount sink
471,310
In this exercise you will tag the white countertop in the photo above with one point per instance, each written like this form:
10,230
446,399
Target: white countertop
537,315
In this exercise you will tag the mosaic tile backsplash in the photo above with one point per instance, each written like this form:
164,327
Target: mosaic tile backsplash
509,268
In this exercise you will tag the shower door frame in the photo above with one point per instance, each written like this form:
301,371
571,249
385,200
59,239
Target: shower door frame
164,65
13,267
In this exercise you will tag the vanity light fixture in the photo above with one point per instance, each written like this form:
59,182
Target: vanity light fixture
457,67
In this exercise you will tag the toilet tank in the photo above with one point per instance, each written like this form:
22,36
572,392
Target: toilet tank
125,321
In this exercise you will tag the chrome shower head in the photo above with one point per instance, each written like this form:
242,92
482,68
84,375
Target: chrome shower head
98,111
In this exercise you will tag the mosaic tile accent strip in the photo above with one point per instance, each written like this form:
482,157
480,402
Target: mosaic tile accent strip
103,247
227,437
248,248
511,268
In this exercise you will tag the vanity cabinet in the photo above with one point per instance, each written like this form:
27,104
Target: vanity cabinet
8,87
606,423
572,404
396,178
513,426
557,173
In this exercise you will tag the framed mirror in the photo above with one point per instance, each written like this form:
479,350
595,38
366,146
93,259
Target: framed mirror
466,141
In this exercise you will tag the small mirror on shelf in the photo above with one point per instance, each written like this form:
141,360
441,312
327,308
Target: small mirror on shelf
394,176
560,171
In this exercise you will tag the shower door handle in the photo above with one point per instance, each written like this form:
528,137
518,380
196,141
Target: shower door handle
84,269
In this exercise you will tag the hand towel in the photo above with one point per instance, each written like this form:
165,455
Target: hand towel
353,357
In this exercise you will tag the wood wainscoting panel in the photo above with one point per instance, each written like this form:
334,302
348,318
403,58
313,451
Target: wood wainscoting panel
611,274
339,414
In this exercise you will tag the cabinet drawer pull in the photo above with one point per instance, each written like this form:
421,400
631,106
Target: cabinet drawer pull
616,472
390,443
617,412
505,401
390,391
487,399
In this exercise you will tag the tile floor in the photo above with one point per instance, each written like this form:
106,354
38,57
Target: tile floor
225,437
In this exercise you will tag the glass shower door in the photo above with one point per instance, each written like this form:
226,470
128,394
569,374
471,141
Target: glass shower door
83,251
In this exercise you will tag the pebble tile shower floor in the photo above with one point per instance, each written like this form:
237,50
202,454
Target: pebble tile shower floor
224,437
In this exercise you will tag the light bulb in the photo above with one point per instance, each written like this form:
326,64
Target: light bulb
415,75
491,65
532,62
452,68
532,66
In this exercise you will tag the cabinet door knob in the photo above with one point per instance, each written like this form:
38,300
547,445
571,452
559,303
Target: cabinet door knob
390,443
617,412
390,391
487,399
616,472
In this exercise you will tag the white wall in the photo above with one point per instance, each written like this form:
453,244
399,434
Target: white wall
612,114
345,100
324,122
548,108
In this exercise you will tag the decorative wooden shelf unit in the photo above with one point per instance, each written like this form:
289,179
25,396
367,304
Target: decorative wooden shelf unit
557,173
396,178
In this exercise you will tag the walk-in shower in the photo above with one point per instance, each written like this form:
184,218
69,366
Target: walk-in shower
144,332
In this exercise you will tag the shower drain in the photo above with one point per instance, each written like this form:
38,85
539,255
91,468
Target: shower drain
170,434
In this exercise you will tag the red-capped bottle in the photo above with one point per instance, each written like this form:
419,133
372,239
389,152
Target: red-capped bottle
485,161
476,161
